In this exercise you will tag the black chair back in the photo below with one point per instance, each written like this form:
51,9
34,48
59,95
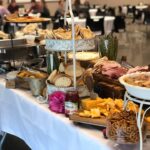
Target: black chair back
100,12
1,21
147,17
96,25
119,23
84,11
130,9
58,23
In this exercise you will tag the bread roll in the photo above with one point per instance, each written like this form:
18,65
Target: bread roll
63,81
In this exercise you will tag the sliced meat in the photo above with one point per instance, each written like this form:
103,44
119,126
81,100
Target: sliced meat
114,73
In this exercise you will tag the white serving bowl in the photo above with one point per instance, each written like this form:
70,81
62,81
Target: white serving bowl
137,91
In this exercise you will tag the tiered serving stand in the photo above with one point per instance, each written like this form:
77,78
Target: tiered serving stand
140,95
140,116
70,45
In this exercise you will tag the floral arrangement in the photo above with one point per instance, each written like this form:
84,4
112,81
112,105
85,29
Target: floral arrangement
56,101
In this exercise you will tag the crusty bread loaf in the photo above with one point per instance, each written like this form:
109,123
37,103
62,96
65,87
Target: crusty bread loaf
61,67
56,77
52,76
63,81
69,70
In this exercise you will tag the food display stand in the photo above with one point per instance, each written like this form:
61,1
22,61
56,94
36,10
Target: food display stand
70,45
139,95
13,49
140,118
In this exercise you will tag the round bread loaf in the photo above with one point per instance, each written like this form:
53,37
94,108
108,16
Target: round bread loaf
63,81
69,70
52,76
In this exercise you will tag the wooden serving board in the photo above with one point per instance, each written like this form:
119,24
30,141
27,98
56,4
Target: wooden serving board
99,77
27,20
101,122
90,121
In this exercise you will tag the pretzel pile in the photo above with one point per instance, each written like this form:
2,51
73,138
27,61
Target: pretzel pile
122,127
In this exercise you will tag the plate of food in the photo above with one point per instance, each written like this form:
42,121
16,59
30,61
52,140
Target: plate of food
31,80
26,19
61,39
95,112
137,84
62,81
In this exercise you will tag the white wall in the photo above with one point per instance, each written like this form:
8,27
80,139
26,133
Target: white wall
118,2
53,5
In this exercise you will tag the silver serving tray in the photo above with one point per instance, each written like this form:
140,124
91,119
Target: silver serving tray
66,45
12,43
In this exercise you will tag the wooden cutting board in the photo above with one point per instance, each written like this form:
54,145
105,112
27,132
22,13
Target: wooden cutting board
96,121
101,122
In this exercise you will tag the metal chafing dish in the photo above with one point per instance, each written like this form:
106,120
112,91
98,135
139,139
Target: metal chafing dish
16,49
8,43
13,49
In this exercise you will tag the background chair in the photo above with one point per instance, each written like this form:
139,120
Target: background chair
58,23
147,22
119,23
96,26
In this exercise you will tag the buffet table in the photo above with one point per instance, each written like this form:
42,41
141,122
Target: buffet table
41,129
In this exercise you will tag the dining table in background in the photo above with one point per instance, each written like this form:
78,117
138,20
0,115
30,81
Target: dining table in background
108,24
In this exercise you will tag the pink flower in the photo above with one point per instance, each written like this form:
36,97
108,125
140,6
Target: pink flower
56,101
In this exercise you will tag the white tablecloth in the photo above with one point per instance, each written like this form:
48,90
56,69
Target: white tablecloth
96,18
92,12
141,7
41,129
78,21
124,10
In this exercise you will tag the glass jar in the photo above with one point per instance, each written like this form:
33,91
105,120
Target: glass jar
71,102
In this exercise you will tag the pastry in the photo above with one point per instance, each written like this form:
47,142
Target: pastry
86,33
30,28
31,74
80,33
